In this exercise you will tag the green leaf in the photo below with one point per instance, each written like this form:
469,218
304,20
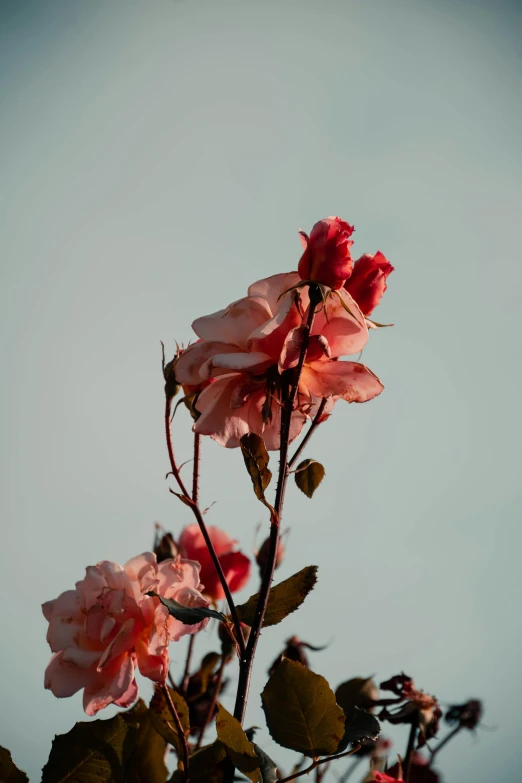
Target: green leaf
357,692
161,717
359,725
239,749
284,598
256,460
308,475
9,772
146,764
206,765
355,696
189,615
92,752
301,712
267,766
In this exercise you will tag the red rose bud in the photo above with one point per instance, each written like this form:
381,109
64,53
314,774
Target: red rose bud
367,283
326,258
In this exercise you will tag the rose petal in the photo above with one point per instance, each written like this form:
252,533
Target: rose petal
346,334
235,323
190,362
351,381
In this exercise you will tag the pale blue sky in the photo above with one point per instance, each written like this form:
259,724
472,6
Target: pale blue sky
157,157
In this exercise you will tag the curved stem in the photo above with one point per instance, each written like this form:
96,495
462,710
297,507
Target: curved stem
444,742
318,763
187,499
315,423
179,729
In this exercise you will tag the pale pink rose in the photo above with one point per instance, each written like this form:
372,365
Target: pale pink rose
235,565
248,346
107,626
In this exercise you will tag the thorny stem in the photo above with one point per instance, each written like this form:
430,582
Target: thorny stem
411,746
199,519
317,763
289,394
195,474
186,672
213,703
315,423
444,742
179,729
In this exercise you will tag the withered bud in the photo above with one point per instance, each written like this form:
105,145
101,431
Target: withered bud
467,715
262,555
397,684
165,548
172,386
295,651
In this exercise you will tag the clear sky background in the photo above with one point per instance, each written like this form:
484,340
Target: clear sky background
156,158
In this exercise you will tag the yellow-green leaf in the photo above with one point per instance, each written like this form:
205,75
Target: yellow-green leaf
9,772
206,765
301,711
256,460
284,598
239,749
161,717
92,752
146,765
357,692
308,475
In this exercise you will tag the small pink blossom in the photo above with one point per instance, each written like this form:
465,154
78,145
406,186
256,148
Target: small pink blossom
382,777
367,283
106,627
326,258
248,346
235,565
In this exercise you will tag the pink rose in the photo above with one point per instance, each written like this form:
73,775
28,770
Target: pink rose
326,258
107,626
382,777
248,346
235,565
368,281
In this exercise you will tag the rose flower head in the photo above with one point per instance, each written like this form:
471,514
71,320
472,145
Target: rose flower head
235,565
367,282
248,347
326,258
108,626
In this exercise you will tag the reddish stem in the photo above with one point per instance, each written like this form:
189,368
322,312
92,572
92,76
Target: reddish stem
179,728
187,499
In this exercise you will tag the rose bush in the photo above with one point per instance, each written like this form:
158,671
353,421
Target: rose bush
106,627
